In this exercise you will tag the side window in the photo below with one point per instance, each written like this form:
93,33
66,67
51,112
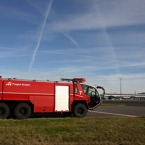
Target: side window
85,88
76,89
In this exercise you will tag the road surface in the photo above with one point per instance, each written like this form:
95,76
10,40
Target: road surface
122,111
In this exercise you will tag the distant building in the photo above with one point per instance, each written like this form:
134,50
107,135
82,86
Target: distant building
139,96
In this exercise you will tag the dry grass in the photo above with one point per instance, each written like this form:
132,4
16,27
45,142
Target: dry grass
73,131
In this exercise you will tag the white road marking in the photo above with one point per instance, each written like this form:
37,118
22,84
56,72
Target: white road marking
117,114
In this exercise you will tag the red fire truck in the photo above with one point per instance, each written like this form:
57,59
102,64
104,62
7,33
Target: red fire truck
22,98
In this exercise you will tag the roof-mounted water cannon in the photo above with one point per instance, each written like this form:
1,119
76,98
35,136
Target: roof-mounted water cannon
80,80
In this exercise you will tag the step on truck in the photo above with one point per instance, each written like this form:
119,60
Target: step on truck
22,98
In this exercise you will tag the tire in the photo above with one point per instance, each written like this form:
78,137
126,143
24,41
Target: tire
80,110
22,111
4,111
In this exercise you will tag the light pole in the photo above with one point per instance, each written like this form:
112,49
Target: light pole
120,86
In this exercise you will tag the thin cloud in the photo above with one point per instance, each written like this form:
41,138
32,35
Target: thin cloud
115,13
40,36
67,53
13,52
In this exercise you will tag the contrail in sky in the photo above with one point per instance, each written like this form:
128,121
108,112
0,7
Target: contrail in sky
108,40
71,39
40,35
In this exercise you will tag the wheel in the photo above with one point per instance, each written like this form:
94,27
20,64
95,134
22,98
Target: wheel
4,111
80,110
22,111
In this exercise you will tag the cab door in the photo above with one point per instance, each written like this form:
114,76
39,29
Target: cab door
92,93
94,97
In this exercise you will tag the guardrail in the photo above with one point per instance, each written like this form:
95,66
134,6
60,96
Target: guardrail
125,102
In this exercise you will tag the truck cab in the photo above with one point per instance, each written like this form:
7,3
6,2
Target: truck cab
87,96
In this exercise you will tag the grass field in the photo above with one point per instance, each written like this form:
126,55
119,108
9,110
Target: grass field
73,131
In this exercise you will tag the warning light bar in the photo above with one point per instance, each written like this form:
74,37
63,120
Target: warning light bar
80,80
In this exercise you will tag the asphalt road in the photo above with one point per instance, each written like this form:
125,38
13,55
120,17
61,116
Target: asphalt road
114,108
119,111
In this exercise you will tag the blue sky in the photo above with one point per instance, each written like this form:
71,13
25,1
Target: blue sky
101,40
